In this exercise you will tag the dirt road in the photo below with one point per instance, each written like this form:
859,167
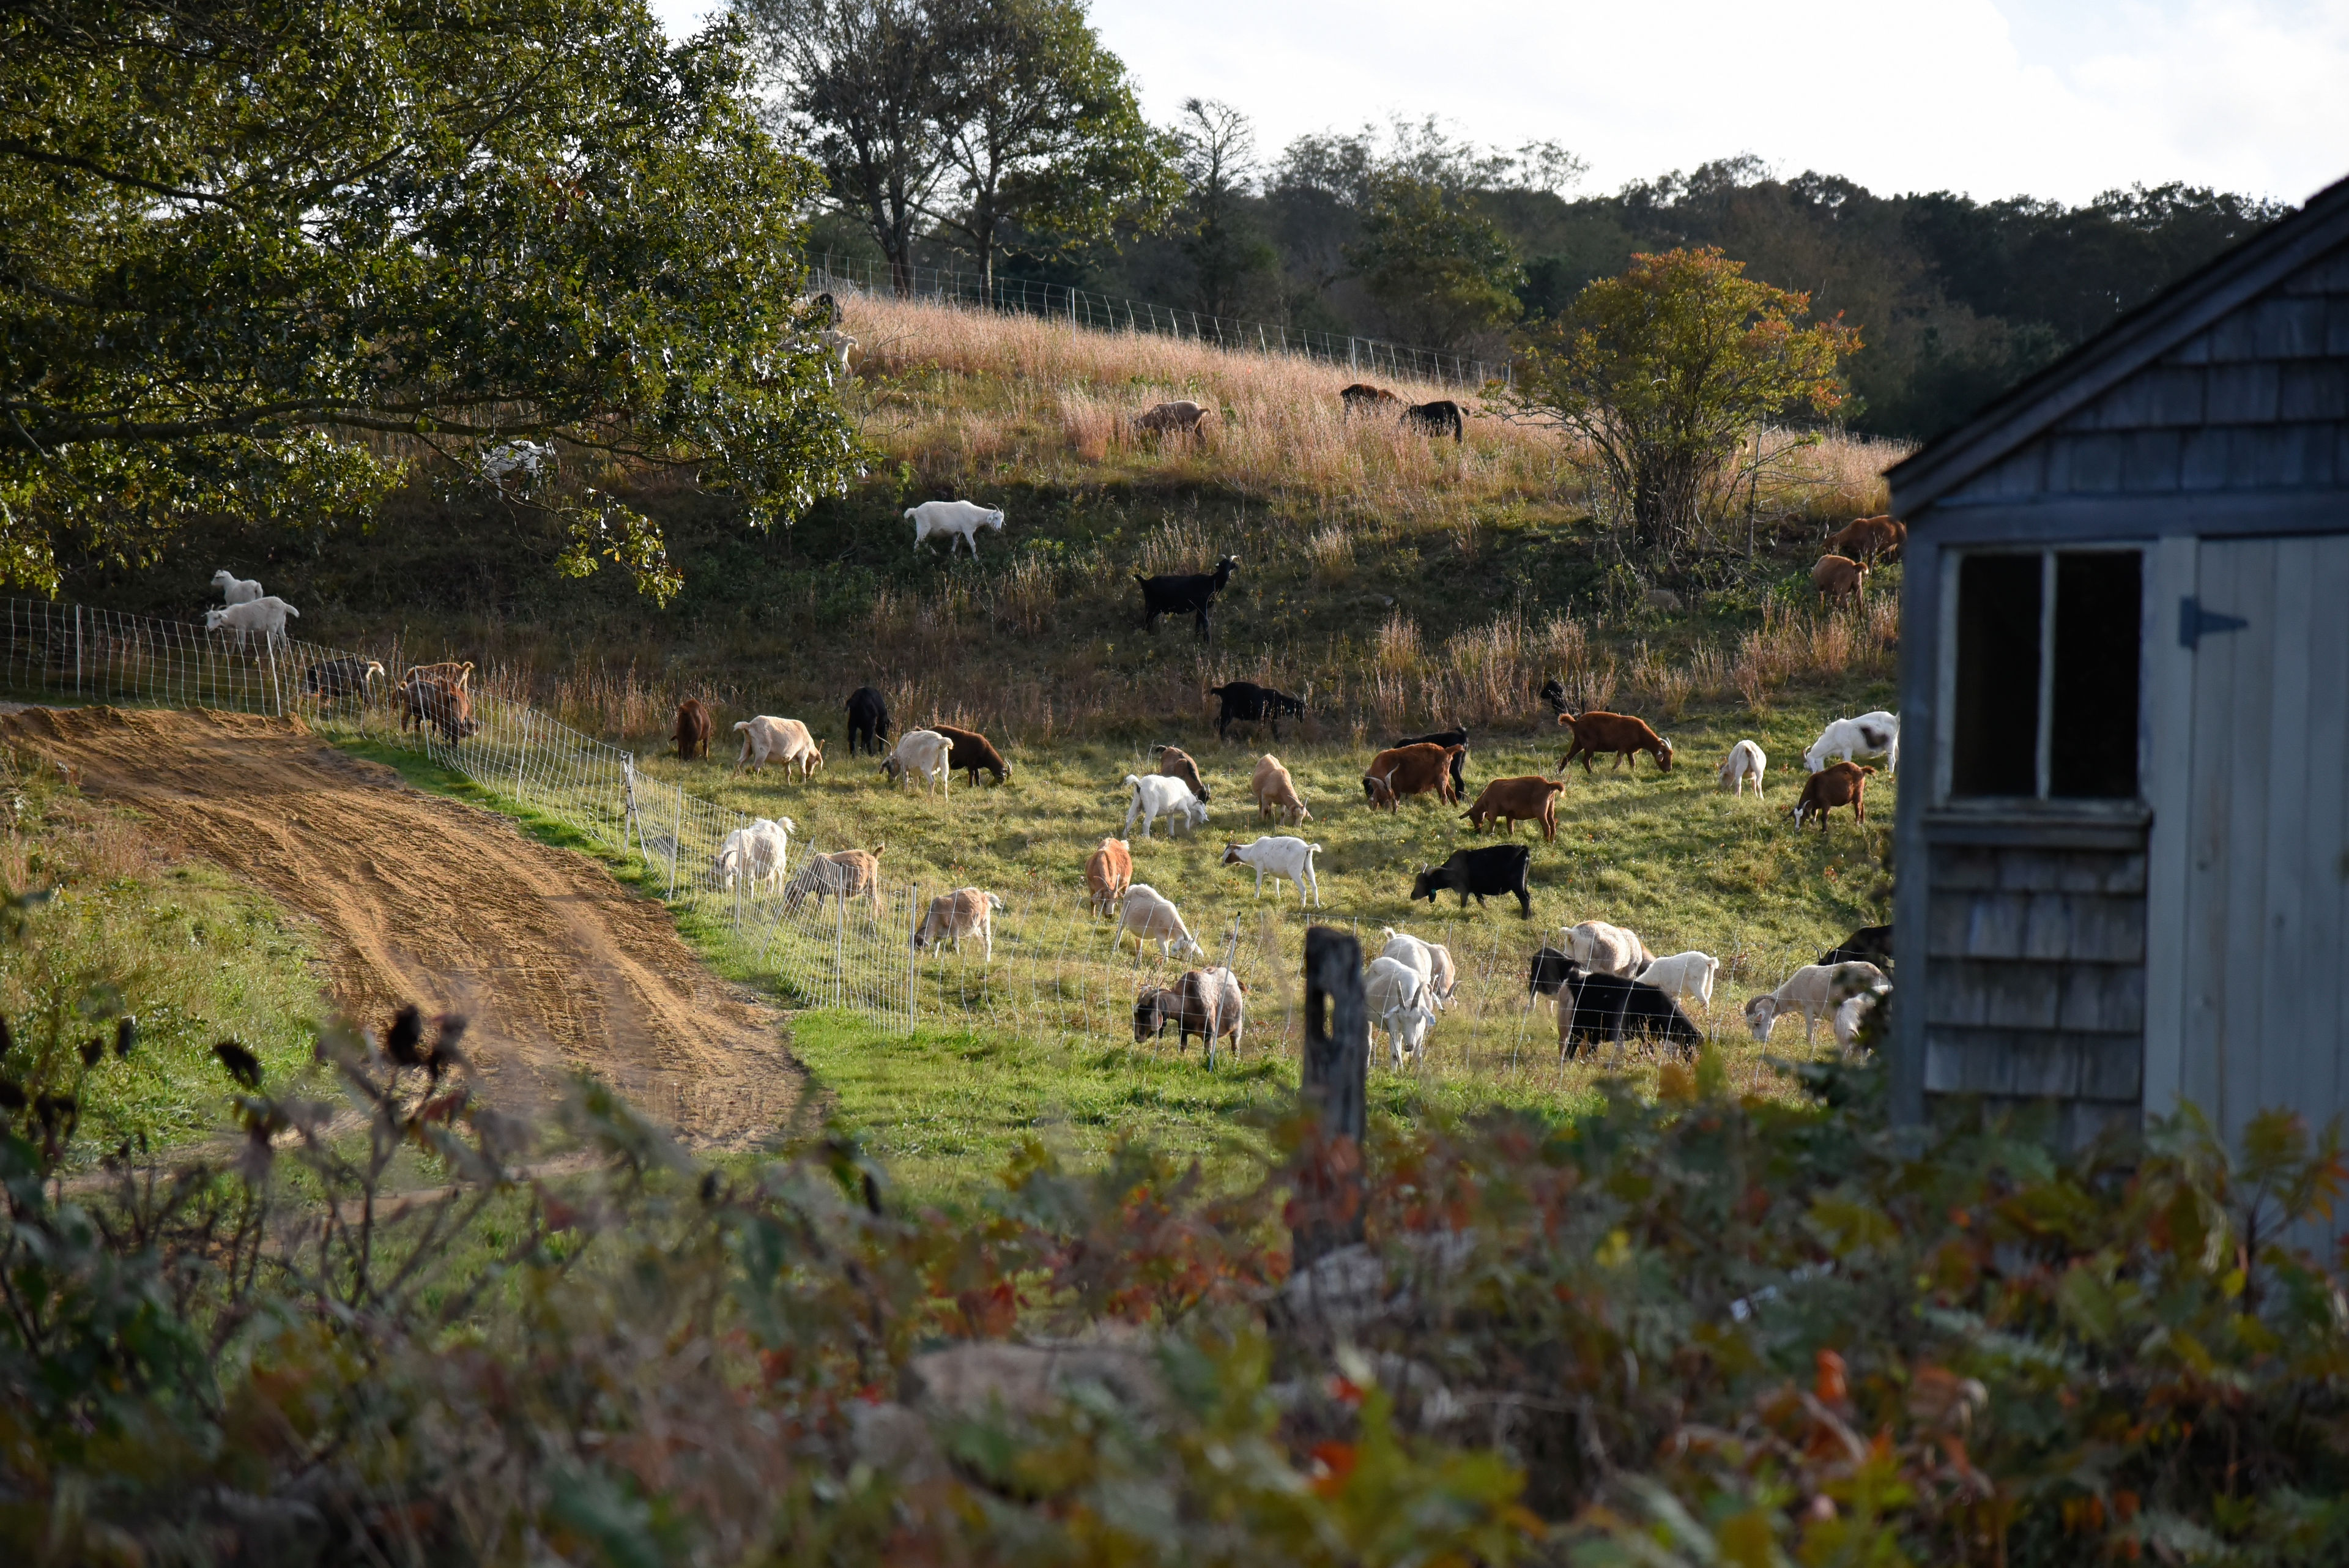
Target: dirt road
418,898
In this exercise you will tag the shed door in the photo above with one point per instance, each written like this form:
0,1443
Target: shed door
2267,917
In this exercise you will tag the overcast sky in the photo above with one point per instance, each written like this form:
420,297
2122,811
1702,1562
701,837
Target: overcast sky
2057,98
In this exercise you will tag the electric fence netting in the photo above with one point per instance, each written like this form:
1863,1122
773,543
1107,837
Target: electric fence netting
1056,973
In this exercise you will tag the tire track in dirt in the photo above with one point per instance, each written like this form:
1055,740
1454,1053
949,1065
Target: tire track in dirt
420,898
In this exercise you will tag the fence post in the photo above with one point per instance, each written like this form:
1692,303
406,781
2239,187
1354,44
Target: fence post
76,651
913,968
1334,1084
522,755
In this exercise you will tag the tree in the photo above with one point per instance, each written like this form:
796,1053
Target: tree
1441,271
1042,131
1219,166
1664,374
257,256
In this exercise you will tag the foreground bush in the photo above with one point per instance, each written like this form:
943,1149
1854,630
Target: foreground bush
385,1326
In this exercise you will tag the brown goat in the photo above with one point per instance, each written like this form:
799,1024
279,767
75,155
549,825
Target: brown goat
1411,770
1597,733
973,754
694,728
1512,801
1108,874
1361,398
1840,577
1842,784
1866,538
1176,762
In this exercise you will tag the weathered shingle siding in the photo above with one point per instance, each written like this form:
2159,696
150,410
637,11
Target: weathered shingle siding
2257,401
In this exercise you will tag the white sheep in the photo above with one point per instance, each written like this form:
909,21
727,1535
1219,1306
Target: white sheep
1876,734
1152,919
1683,974
1603,948
235,590
962,519
1158,795
1397,997
1278,858
1746,761
923,754
265,616
1433,960
1818,988
755,854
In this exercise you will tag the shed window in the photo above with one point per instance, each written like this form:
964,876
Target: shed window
2044,698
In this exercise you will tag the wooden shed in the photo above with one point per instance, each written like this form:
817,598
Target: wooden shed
2122,875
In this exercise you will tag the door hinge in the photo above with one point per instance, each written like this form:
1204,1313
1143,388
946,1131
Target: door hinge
2193,621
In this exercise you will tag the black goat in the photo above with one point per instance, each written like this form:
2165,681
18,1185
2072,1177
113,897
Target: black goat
1248,703
1436,418
868,719
1547,972
1497,870
1553,692
1610,1006
1456,736
1869,944
1193,592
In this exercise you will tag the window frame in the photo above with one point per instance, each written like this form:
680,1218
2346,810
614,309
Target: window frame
1951,575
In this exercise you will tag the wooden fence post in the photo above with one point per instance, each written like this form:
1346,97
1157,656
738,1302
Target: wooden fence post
1334,1085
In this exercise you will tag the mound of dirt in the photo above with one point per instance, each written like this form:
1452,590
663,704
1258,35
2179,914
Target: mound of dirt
418,898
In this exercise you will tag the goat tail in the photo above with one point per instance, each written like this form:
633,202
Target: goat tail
741,725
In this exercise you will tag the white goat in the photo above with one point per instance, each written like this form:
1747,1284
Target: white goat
786,740
1818,988
1683,974
1158,795
1746,761
265,616
1852,1011
1431,959
1277,857
235,590
522,457
1151,919
756,854
1397,998
922,753
1603,948
963,519
1876,734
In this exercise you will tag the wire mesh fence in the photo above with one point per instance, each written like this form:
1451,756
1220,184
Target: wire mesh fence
1109,313
1048,967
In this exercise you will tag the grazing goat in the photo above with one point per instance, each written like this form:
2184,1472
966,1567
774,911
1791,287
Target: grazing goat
1395,995
265,616
1843,785
1245,703
1438,418
1818,988
755,853
844,874
1191,593
923,754
1424,768
1433,960
1837,578
695,730
1278,858
1603,948
1663,600
960,519
331,680
1511,801
1876,734
1547,974
965,912
1109,872
1869,944
451,670
1496,872
1682,974
1866,538
1275,793
1152,919
784,740
1597,732
1156,797
435,700
1181,417
973,755
1746,761
868,722
235,590
1208,1003
1455,736
1607,1007
1175,762
1361,398
1852,1011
